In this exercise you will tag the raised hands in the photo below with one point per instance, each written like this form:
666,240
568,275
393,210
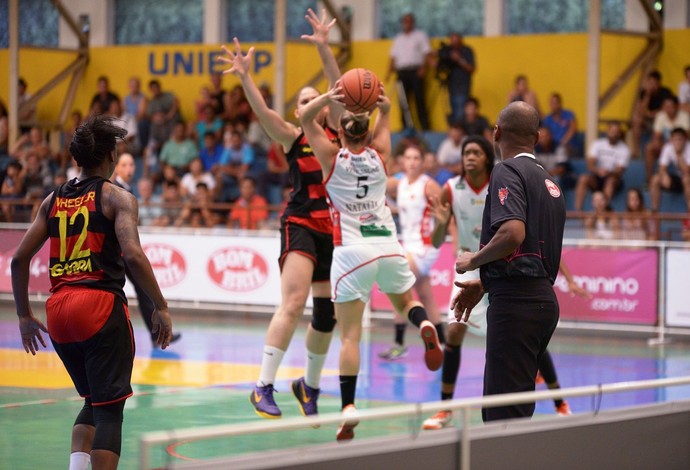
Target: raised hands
239,63
321,28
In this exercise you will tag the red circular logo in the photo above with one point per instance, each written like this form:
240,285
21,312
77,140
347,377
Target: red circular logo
553,188
168,263
238,269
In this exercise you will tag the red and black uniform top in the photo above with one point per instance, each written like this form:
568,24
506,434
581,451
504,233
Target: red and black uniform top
308,205
84,250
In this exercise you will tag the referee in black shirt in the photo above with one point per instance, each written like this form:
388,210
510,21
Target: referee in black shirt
522,236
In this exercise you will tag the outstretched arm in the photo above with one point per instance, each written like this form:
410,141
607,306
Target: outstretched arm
381,139
319,38
29,326
324,149
277,128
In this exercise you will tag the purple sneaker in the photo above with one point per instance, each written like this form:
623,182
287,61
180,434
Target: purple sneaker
306,397
264,404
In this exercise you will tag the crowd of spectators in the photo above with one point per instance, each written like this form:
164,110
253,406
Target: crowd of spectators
221,168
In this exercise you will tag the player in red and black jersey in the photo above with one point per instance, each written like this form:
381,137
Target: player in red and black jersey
305,232
92,228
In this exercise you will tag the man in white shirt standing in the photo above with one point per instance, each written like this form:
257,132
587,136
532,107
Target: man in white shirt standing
410,55
607,160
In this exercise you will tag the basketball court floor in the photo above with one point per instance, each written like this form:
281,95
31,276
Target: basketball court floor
206,377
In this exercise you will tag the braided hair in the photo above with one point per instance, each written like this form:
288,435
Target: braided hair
94,140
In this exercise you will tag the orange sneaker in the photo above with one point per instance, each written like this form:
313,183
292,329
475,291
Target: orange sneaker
346,431
563,409
439,421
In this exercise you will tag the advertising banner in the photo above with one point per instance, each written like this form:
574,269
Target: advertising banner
622,283
677,291
39,281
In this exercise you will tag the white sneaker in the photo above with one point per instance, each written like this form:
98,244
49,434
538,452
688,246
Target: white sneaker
346,430
439,421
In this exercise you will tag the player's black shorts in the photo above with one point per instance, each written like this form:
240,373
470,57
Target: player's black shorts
676,185
315,245
99,362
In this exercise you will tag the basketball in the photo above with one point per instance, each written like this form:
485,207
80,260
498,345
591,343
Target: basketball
361,88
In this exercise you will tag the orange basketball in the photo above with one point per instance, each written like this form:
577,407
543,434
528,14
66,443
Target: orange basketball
361,88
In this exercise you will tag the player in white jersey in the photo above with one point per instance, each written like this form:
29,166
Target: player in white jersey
366,246
462,199
412,193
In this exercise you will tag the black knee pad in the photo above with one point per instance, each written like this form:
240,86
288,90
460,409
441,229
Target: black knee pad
108,421
323,315
85,416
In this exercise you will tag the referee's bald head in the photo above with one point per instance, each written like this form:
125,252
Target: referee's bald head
519,122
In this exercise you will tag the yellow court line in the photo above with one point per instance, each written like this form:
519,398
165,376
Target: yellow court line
45,370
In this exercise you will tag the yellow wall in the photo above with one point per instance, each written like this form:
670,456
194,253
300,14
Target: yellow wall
556,62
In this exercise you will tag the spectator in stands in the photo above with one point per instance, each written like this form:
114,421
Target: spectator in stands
27,112
607,160
128,122
197,211
433,168
685,230
172,205
554,159
674,169
449,152
276,176
601,224
12,189
150,208
649,103
31,142
211,153
669,117
136,104
210,122
250,211
410,56
455,66
637,224
684,91
196,175
522,92
36,176
562,124
100,103
474,123
123,175
168,176
238,109
179,150
201,102
163,112
235,162
219,97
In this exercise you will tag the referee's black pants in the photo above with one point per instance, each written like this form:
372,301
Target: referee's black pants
521,318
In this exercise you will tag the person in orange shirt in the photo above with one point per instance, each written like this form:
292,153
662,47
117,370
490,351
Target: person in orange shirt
251,210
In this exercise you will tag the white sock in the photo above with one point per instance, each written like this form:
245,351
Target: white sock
315,362
79,461
270,362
